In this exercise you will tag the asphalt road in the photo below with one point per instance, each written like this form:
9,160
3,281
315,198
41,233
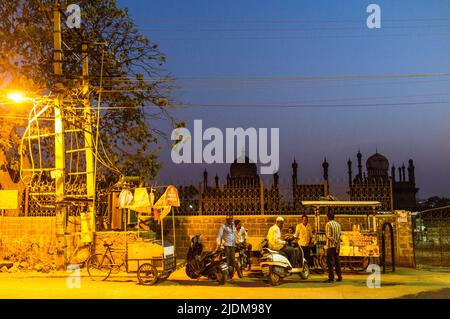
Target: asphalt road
405,283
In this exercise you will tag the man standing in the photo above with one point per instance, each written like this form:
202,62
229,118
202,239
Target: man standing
276,243
304,233
227,236
333,234
241,239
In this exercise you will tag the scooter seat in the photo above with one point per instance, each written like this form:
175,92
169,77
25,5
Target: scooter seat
268,250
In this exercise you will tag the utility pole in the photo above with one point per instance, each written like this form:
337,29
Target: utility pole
88,144
59,175
87,125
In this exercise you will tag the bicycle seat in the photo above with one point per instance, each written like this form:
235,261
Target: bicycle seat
107,244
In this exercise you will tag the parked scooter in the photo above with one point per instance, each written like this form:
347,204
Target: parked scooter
276,266
208,264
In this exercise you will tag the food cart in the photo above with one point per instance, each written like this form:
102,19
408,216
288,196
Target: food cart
358,245
151,258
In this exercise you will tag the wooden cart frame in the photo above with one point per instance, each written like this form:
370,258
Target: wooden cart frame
353,263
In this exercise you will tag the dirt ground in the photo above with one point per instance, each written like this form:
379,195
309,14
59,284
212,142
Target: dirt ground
404,283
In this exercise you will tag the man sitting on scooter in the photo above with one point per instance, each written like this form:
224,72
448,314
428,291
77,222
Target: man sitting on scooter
276,243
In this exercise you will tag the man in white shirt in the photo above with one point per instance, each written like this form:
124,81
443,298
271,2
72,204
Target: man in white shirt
304,233
276,243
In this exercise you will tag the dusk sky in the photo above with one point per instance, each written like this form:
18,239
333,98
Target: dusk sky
314,70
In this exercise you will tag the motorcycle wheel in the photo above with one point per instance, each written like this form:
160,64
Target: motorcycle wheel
221,276
190,272
305,273
239,268
274,279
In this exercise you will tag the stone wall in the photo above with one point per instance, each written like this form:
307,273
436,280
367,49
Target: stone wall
18,233
29,243
257,227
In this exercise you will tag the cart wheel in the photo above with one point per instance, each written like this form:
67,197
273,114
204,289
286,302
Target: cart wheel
360,266
99,267
147,274
322,259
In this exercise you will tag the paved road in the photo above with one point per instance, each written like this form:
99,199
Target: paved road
409,283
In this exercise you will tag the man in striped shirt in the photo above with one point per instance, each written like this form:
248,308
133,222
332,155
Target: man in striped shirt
333,234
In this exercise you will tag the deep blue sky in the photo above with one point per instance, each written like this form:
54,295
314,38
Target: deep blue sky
256,52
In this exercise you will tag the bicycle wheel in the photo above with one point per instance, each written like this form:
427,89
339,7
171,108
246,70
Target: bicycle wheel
147,274
99,267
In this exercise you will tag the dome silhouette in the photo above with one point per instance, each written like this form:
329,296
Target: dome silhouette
377,162
245,169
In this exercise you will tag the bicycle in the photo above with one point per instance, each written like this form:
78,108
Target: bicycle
100,265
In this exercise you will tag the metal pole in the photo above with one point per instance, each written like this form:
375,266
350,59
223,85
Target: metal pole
59,129
89,154
261,196
173,228
162,234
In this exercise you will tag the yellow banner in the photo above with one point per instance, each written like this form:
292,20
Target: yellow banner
169,198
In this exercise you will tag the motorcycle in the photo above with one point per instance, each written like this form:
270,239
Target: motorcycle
275,266
242,262
208,264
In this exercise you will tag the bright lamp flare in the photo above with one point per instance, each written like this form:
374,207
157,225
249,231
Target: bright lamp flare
16,97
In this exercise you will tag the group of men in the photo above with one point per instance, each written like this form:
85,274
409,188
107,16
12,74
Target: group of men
304,236
233,234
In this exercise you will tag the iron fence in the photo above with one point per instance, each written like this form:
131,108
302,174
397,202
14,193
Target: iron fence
432,237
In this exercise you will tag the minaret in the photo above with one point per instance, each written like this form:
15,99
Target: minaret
349,165
403,173
205,179
217,181
399,174
393,173
359,155
411,174
294,173
325,176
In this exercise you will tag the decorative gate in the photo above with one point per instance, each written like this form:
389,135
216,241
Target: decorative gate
432,237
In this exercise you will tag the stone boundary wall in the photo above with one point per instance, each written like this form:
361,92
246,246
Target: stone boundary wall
20,232
257,227
29,243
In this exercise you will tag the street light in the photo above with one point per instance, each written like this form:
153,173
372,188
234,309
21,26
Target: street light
18,97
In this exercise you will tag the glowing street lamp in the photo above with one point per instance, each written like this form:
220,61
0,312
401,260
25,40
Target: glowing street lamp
18,97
